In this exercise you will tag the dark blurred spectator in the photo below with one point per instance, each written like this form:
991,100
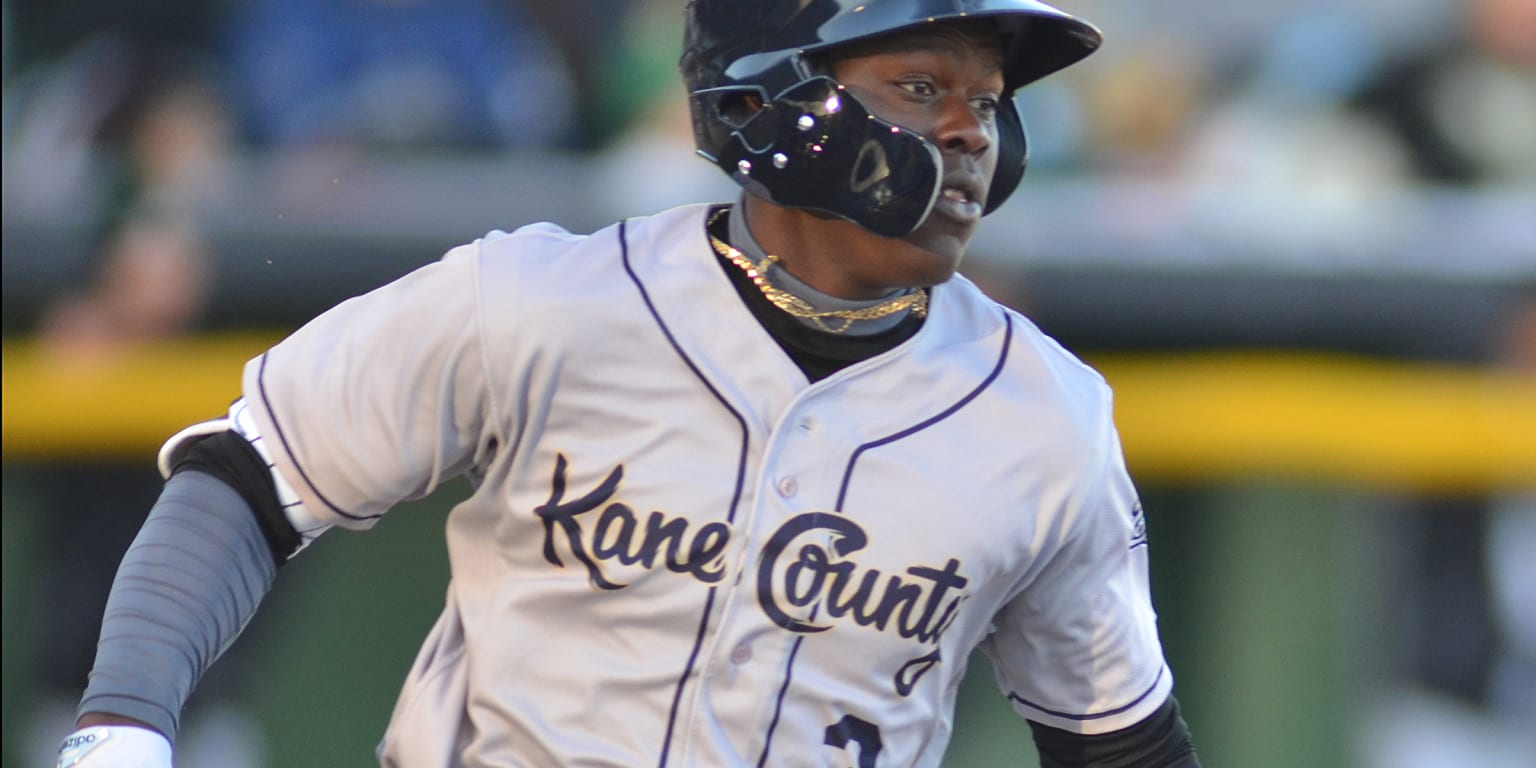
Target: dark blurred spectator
113,125
393,73
1465,110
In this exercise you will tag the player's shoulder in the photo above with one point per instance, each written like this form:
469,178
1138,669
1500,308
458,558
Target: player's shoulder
545,268
547,246
1072,370
529,243
1041,373
1032,353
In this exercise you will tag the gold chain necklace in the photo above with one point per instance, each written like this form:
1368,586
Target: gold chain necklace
841,319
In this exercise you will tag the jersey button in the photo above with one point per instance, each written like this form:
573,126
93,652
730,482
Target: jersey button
788,486
741,654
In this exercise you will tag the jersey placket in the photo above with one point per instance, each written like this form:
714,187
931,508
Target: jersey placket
744,678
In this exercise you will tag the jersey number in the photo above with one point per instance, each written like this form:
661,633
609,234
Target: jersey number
859,731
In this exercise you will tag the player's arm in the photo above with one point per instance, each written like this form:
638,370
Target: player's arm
368,435
1160,741
1076,648
192,579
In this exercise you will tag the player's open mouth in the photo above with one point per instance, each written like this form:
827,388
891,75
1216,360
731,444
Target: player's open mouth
958,203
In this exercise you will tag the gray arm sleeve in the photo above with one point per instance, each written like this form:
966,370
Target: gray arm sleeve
187,586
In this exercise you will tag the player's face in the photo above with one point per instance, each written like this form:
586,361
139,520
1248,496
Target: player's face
943,83
946,85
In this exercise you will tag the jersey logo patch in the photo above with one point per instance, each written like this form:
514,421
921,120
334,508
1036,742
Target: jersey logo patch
808,580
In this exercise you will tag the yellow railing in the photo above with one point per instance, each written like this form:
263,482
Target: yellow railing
123,402
1327,418
1187,417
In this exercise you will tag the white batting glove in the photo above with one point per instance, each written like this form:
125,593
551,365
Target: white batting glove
115,746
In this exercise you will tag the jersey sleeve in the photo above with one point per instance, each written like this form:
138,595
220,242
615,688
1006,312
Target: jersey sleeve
382,397
1077,648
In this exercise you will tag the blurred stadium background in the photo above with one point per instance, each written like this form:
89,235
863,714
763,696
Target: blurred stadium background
1299,239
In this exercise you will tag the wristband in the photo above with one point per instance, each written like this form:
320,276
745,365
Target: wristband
115,746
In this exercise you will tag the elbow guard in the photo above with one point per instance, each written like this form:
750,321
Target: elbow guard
232,450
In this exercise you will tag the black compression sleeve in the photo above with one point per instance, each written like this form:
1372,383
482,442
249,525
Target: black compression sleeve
230,458
1160,741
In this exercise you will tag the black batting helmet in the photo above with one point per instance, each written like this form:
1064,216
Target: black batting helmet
788,132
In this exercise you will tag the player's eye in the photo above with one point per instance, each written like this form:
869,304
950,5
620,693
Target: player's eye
986,107
917,87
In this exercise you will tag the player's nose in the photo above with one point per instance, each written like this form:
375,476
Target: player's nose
961,127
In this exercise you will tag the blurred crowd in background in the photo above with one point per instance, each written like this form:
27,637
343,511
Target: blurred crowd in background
127,117
1317,103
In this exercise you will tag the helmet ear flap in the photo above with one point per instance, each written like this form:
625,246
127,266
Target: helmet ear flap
1012,155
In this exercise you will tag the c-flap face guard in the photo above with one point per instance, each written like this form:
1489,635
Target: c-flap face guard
815,146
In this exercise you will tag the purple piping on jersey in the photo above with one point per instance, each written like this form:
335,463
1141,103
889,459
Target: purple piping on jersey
261,386
741,474
1096,716
1002,359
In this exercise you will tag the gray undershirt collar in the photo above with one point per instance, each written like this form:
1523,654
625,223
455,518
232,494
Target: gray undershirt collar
742,240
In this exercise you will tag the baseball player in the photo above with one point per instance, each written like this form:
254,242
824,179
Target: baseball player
751,480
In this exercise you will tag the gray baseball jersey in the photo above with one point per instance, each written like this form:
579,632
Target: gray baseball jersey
678,552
